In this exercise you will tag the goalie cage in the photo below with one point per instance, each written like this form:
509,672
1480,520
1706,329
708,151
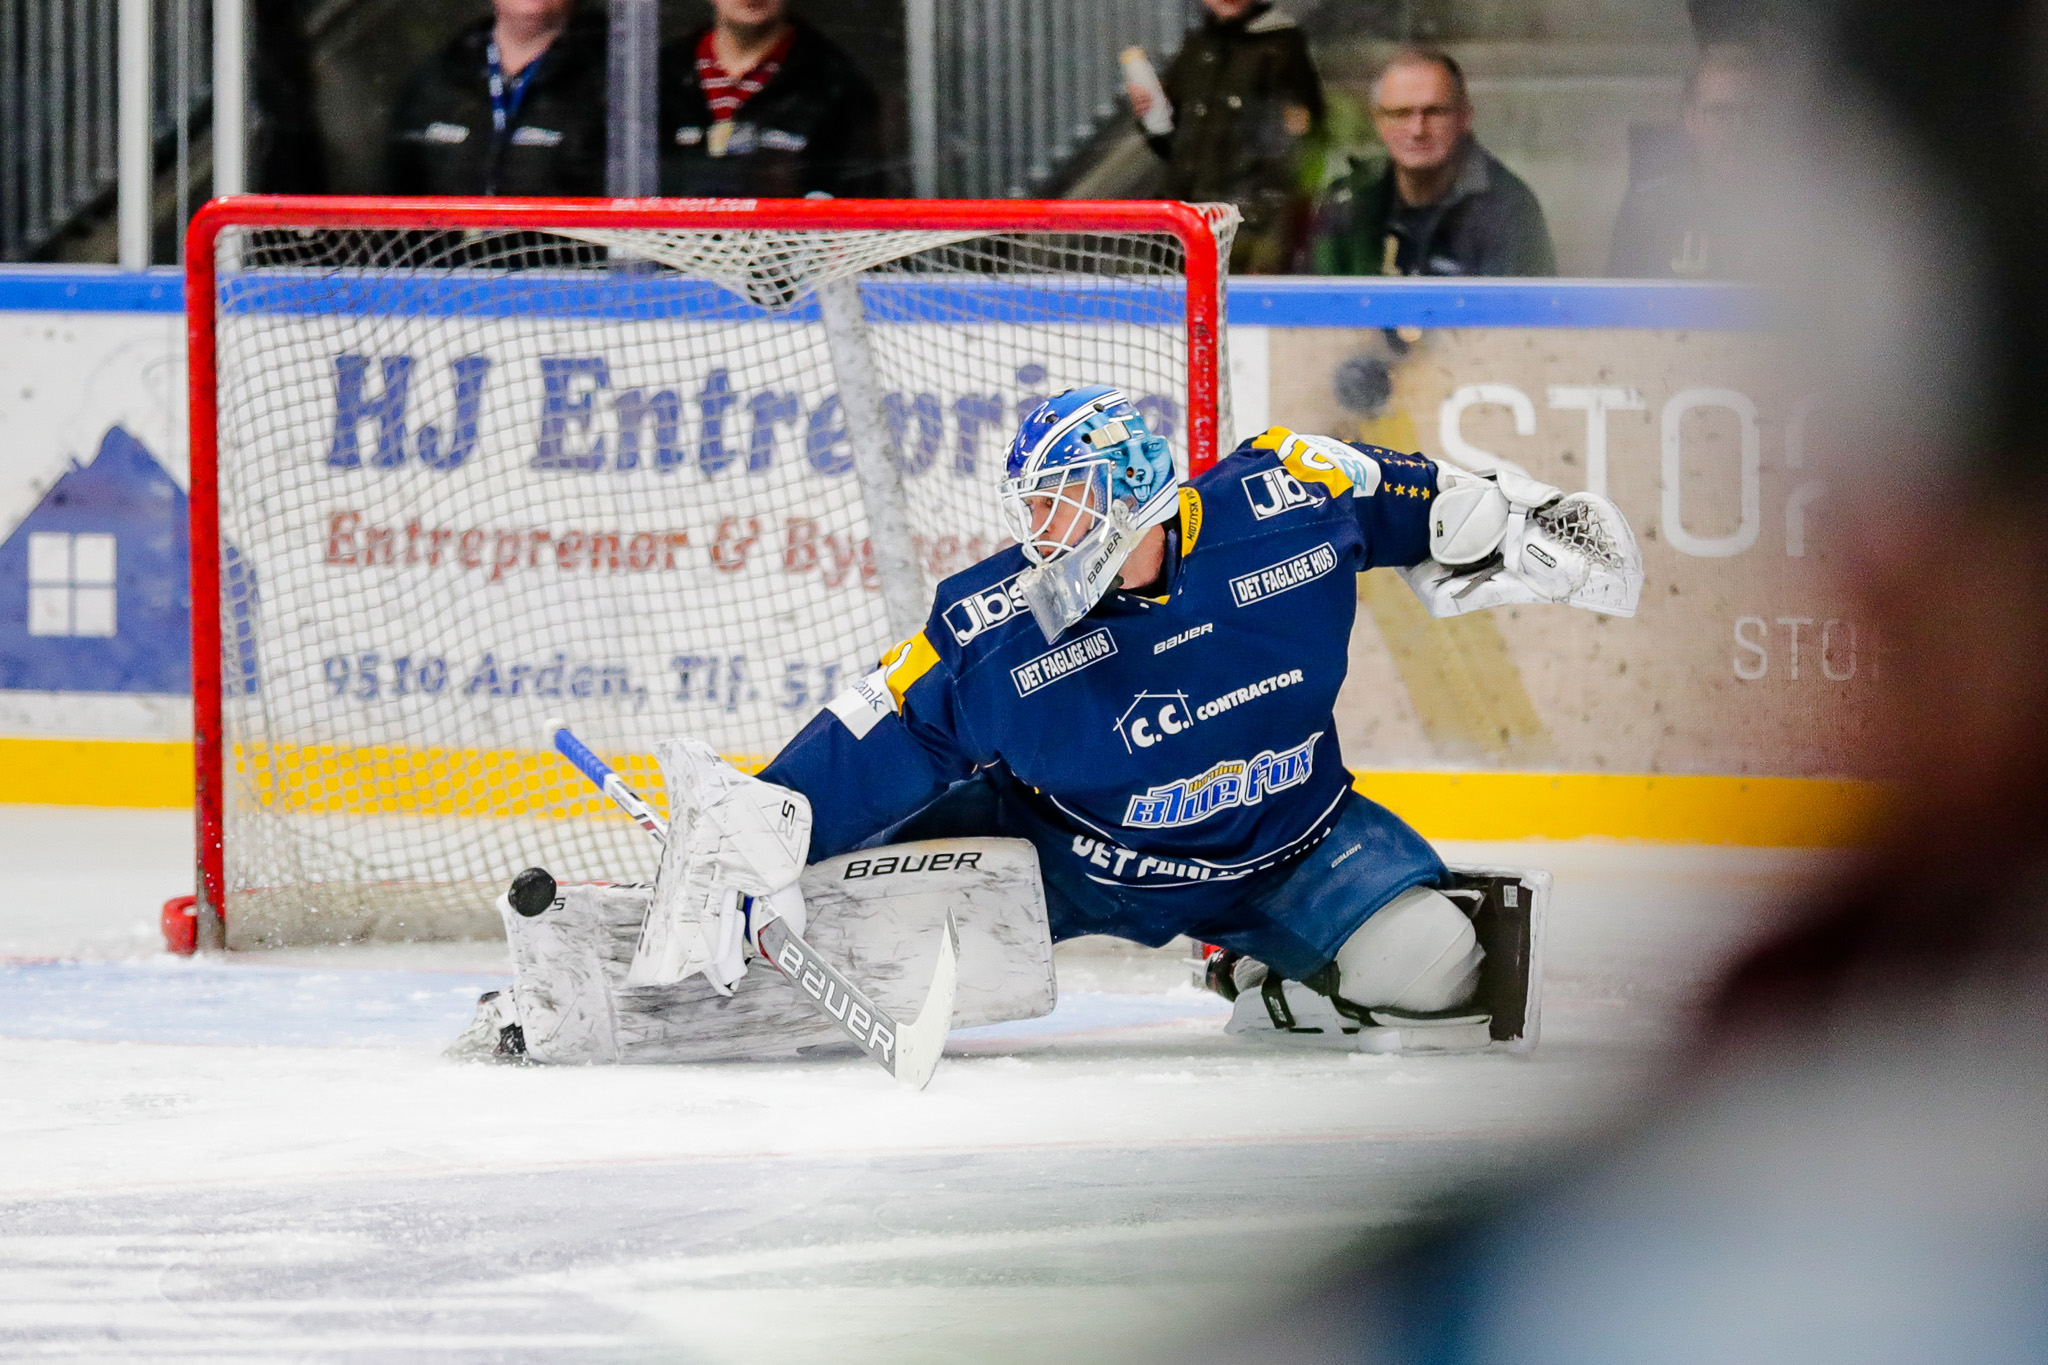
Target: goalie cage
658,467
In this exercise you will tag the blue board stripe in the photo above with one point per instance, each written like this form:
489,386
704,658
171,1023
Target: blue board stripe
1269,301
86,289
1273,301
638,298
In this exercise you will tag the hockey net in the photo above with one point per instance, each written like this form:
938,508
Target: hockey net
653,468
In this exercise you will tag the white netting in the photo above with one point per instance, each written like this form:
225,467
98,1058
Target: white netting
772,269
469,481
1582,525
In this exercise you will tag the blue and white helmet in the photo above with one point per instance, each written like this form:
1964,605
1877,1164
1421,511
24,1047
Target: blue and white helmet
1085,480
1076,454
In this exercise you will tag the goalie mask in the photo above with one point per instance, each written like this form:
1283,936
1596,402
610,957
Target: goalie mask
1086,481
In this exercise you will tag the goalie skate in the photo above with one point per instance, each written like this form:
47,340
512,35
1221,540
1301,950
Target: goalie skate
1507,908
874,914
493,1036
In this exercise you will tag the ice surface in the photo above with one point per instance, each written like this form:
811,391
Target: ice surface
265,1158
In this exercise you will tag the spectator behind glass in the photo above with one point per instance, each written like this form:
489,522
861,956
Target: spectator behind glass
760,105
514,105
1687,222
1440,204
1244,93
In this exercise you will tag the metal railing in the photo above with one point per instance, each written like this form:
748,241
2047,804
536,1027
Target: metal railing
1003,91
58,107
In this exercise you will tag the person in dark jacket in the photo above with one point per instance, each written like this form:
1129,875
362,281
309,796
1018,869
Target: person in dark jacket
1690,222
513,105
1245,93
286,154
1440,204
760,105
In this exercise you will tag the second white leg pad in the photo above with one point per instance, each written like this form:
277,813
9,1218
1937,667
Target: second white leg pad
1418,953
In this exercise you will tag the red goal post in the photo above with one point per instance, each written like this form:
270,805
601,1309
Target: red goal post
346,788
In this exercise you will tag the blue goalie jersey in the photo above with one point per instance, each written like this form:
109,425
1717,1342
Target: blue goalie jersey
1167,750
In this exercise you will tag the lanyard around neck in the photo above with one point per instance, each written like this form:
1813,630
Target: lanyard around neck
506,95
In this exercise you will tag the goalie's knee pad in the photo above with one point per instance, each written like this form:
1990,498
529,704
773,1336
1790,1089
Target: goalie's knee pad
1418,953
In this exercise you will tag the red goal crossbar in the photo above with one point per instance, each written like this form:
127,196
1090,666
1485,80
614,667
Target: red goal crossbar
1195,228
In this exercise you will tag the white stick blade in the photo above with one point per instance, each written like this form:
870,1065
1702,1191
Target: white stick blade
919,1045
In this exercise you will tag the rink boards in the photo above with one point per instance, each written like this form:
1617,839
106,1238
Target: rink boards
1743,664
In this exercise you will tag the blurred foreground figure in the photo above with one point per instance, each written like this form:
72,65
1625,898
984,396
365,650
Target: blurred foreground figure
1855,1167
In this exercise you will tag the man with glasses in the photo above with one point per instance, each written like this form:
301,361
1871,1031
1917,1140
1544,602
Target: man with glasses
1687,222
1440,204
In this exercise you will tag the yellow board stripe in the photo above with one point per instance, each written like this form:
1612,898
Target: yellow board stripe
96,772
322,778
380,780
1760,812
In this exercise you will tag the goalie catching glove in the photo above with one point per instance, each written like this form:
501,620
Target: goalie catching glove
1503,538
736,846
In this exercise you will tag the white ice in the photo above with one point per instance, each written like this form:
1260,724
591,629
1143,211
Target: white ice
265,1158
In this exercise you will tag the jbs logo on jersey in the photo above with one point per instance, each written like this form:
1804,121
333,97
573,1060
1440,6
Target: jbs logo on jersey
1063,661
1275,579
1153,716
970,616
1231,783
1273,491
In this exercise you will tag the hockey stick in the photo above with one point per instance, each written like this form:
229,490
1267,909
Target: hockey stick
909,1052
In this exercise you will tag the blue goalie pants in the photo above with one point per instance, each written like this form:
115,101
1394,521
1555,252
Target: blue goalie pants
1293,917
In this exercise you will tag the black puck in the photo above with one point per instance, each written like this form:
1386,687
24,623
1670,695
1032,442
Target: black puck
533,891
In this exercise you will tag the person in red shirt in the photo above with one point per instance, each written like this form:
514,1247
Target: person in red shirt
760,105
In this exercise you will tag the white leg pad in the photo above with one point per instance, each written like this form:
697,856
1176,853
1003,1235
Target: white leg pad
1418,954
876,914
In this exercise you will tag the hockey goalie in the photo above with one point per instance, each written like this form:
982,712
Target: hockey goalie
1123,725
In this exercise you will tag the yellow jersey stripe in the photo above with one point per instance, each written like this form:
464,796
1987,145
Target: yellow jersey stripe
1304,461
905,664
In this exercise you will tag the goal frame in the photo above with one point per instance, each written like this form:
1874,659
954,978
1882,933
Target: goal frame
1188,224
